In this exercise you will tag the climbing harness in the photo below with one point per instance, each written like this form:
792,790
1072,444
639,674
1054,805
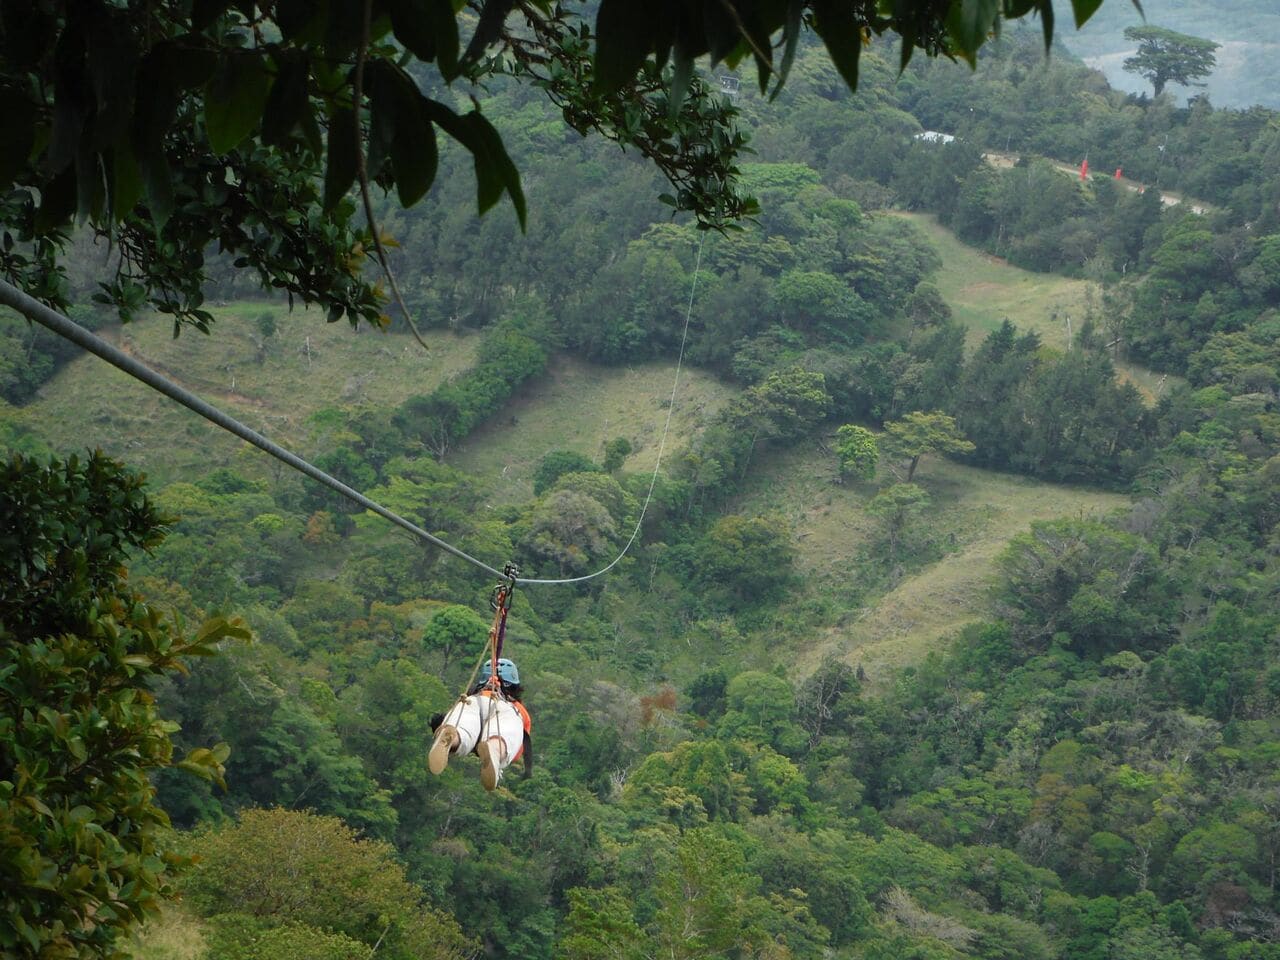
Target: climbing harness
500,604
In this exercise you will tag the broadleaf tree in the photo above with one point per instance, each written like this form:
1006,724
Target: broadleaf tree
919,433
83,848
858,452
174,127
1165,56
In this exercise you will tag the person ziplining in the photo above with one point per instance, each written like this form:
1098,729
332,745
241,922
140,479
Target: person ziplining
489,719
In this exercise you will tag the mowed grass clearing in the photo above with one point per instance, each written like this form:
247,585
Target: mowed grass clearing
579,406
974,513
984,290
271,384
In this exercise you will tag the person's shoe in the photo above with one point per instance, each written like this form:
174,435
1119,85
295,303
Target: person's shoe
488,752
447,741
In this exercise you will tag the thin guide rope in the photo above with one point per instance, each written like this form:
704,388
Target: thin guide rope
37,312
662,443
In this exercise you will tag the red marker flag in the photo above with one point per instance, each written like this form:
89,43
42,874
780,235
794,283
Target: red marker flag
1084,169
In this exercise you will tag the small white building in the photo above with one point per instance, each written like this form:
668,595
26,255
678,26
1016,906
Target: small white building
935,136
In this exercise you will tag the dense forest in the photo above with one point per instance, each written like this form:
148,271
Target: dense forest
1088,773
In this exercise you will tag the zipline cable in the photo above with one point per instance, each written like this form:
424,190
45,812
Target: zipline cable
37,312
34,310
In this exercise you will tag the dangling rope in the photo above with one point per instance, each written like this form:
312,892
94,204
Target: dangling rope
500,602
662,442
37,312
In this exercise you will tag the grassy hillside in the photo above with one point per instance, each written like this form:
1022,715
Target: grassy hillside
984,290
173,935
972,516
579,406
276,383
273,384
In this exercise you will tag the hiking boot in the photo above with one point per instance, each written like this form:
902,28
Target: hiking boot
489,752
447,741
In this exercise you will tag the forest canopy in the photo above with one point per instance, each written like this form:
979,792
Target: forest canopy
791,723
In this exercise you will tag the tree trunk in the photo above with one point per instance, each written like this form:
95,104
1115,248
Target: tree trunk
911,470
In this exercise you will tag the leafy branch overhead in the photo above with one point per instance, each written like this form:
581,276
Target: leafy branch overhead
176,128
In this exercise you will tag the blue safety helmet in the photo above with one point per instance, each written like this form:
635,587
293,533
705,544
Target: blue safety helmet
507,671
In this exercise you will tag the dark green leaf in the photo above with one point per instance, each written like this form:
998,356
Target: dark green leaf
343,28
126,180
494,170
1083,9
90,190
841,32
721,29
288,98
493,14
384,109
400,127
236,97
157,184
413,27
624,37
1046,23
205,12
340,171
790,38
298,19
311,134
444,25
185,66
57,201
681,76
758,42
111,65
155,101
17,133
413,150
969,22
500,162
68,127
69,109
28,32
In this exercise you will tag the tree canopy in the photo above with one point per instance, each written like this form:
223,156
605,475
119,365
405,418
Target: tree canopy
919,433
83,849
1165,56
